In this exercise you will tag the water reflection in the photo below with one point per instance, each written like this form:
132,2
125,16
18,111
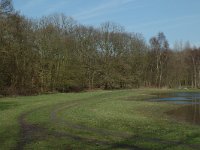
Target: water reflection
179,98
190,111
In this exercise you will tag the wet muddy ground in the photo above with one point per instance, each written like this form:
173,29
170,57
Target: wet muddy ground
190,110
190,113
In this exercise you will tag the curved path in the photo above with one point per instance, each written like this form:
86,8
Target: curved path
33,132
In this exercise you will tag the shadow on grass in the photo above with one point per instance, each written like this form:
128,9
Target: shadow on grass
8,105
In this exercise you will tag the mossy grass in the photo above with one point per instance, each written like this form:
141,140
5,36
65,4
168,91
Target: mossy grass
119,119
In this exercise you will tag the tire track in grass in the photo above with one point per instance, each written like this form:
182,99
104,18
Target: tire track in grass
104,132
33,132
27,130
54,118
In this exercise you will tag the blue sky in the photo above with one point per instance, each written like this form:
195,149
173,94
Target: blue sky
178,19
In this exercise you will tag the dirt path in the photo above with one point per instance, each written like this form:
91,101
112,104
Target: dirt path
105,132
32,132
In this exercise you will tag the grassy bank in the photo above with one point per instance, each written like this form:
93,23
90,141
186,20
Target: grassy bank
119,119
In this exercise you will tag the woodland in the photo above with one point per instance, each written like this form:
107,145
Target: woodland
57,54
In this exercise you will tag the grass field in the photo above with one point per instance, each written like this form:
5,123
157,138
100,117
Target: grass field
119,119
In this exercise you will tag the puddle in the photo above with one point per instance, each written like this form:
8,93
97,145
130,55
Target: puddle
189,112
179,98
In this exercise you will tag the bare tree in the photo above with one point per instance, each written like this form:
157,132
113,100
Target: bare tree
159,46
6,7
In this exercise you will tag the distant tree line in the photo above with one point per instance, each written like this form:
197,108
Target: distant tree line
56,53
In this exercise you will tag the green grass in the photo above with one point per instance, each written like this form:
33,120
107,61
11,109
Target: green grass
120,119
